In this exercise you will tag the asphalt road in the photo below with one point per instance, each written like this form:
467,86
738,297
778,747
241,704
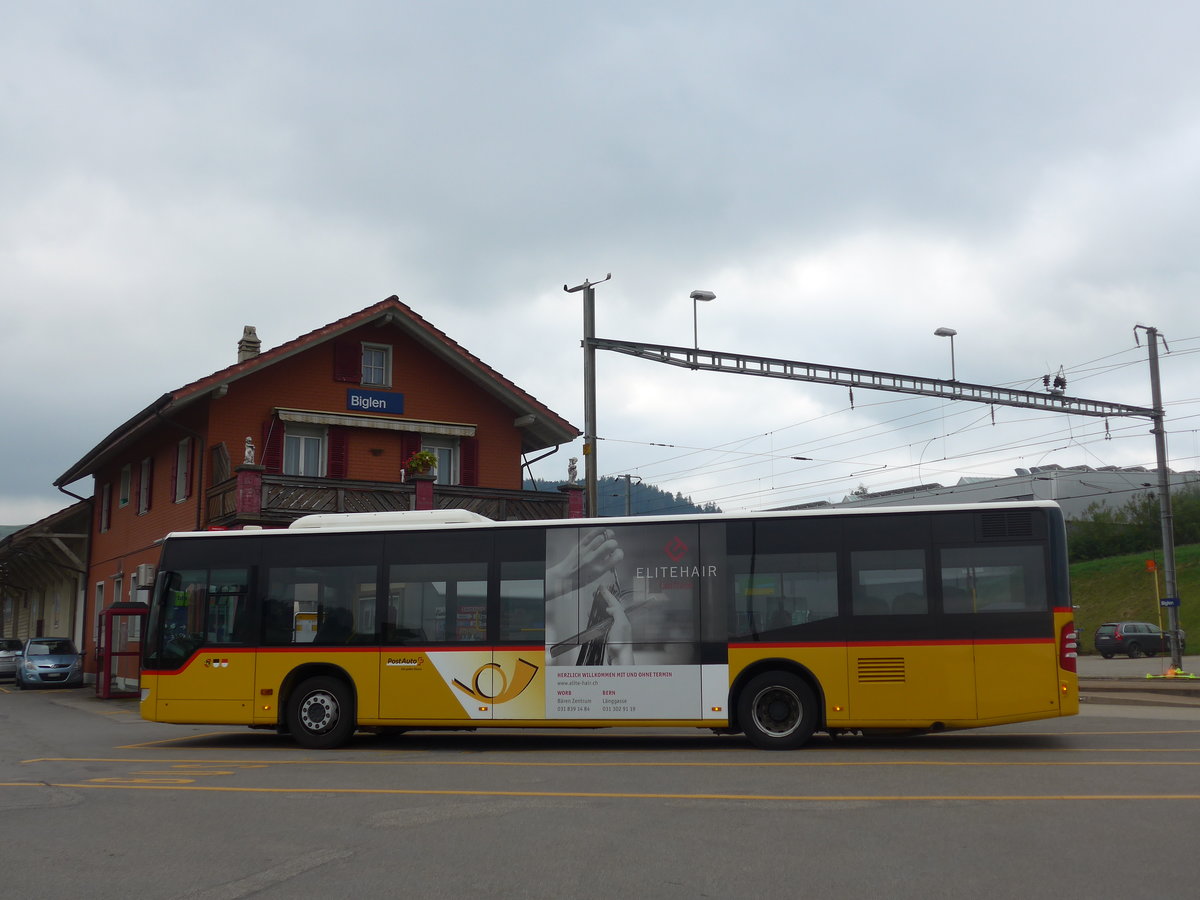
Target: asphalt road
98,803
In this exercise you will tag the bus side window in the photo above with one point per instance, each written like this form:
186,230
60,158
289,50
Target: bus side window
778,590
328,605
993,580
438,601
889,582
523,601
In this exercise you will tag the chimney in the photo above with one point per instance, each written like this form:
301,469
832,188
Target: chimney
249,345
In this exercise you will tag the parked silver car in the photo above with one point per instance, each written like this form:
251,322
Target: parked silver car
10,656
49,660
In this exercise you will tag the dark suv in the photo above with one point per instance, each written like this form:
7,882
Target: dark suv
1133,639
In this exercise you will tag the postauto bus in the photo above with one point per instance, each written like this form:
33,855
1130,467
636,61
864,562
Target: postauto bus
774,625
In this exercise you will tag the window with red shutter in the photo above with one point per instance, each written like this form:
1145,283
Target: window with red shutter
145,483
105,506
183,470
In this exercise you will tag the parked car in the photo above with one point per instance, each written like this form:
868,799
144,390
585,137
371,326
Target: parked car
49,660
1134,639
10,656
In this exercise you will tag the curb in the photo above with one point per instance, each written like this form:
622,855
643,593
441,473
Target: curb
1183,694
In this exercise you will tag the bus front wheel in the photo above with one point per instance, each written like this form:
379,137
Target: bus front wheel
777,711
321,713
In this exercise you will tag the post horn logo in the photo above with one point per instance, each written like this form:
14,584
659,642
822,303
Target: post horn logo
522,678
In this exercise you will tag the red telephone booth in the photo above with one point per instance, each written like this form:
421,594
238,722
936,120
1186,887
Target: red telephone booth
121,627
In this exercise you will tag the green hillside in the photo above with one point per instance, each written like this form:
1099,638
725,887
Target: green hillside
1119,587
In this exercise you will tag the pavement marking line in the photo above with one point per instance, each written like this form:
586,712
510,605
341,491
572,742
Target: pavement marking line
624,795
190,737
260,881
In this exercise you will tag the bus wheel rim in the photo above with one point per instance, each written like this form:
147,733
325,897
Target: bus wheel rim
319,712
777,711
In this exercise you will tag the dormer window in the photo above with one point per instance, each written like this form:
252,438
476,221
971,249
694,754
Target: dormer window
358,362
377,365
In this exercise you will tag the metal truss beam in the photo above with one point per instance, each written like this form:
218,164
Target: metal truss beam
768,367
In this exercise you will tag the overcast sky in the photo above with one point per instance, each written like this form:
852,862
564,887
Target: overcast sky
845,177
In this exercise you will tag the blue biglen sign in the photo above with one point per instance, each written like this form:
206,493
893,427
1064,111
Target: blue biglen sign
374,401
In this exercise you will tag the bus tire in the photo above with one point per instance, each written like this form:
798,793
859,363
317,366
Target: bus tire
777,711
321,713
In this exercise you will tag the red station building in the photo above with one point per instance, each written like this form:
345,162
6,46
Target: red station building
328,422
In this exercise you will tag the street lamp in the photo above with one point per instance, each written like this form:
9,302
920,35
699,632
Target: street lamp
950,333
697,296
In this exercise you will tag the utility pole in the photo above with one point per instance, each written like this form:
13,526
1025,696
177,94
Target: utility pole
589,388
1164,494
629,481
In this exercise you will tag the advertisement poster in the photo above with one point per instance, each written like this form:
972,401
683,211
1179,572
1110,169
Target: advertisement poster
623,622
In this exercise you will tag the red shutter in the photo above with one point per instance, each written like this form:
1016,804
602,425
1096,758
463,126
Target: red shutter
272,446
410,443
191,469
339,451
105,506
468,462
347,361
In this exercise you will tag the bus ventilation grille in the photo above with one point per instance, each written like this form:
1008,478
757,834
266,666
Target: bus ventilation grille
881,670
999,526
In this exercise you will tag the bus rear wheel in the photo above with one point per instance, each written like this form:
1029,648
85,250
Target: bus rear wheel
321,713
777,711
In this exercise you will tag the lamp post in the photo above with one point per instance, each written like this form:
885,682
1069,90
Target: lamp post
698,296
950,333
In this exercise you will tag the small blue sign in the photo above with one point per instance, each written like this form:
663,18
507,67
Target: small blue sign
1169,601
374,401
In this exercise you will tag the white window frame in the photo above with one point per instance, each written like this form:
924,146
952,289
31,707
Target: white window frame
384,370
446,450
298,436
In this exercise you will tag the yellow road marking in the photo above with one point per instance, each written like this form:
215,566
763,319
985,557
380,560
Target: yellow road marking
622,795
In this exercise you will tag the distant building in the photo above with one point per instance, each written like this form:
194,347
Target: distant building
1074,488
328,422
42,569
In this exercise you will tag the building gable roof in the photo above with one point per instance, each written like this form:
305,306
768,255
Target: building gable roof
541,426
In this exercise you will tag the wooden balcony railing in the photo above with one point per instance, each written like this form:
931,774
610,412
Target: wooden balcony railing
252,497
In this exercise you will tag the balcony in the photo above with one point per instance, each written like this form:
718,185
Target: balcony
253,497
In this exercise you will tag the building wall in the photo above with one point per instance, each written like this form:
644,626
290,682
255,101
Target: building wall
433,391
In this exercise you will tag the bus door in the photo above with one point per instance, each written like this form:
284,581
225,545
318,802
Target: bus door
209,628
901,665
436,664
1002,591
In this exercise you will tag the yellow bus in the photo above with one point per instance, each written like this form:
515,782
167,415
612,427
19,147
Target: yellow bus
775,625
